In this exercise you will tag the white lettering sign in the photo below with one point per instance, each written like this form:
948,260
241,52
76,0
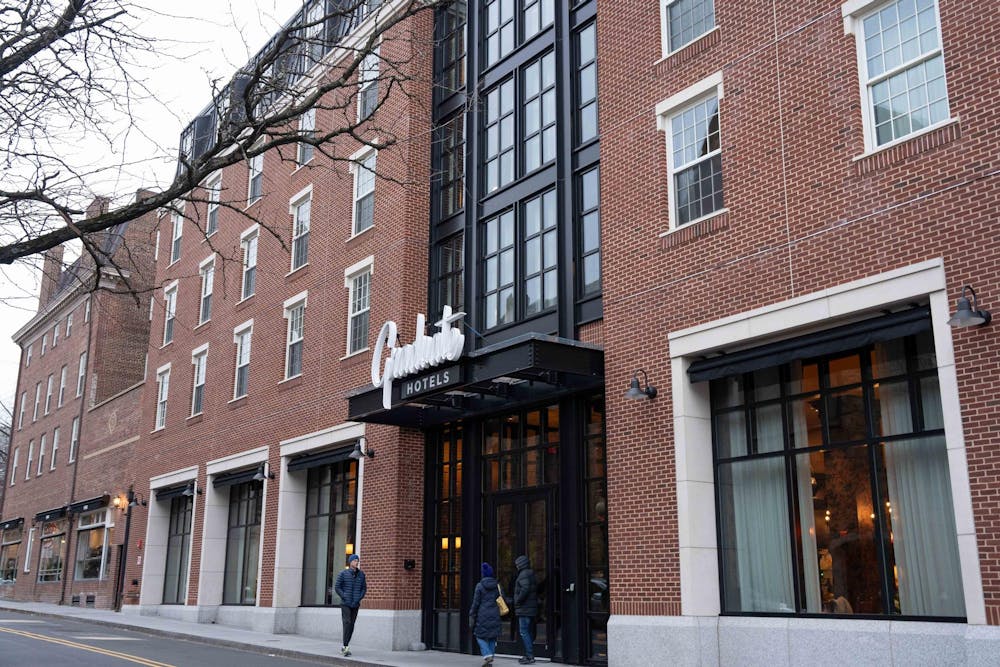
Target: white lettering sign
425,351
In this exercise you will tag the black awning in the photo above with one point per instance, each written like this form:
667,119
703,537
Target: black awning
316,459
529,368
234,478
89,504
171,492
12,523
830,341
51,515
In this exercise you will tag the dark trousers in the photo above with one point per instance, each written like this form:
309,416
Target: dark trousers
349,615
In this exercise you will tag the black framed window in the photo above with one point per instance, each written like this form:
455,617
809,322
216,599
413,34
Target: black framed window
540,253
451,48
589,232
538,83
178,550
508,23
498,270
451,273
499,156
239,586
596,526
586,83
832,484
331,525
10,544
450,159
521,450
447,536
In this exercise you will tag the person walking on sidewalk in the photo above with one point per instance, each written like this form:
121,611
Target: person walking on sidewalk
526,606
484,614
351,587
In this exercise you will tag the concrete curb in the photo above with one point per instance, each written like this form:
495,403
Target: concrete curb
210,641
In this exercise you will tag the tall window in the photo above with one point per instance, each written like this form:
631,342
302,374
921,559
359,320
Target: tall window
368,85
175,577
500,136
833,488
255,184
48,394
451,273
27,356
315,45
498,267
13,465
450,147
31,459
589,269
62,386
902,64
198,360
539,100
81,374
45,343
93,557
207,272
249,282
242,382
536,15
20,413
55,335
331,525
239,585
364,192
684,21
86,310
50,558
162,392
300,231
213,188
586,83
69,325
38,401
169,311
451,47
74,439
55,448
307,130
10,544
447,469
296,315
41,455
360,301
177,231
540,253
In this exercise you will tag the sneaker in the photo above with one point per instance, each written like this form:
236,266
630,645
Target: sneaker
526,660
345,651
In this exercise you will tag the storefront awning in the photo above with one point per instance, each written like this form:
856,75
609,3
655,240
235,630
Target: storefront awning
12,523
171,492
234,478
316,459
830,341
526,369
51,515
89,504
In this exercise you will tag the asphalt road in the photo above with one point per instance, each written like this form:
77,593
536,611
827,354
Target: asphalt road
34,641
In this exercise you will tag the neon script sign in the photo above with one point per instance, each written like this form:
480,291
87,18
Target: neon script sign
424,352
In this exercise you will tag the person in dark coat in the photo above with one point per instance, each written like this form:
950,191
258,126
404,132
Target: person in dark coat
351,587
526,606
484,614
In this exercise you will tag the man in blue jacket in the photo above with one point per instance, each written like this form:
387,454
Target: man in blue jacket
351,588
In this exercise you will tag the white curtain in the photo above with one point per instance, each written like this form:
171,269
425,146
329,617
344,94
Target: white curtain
922,514
807,515
760,507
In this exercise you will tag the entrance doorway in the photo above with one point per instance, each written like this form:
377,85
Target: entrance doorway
521,524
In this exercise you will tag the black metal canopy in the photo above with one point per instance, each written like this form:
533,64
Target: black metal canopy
530,368
12,523
89,504
49,515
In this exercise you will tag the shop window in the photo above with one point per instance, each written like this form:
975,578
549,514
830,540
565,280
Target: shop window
243,545
847,454
10,544
331,527
178,550
447,537
93,555
50,550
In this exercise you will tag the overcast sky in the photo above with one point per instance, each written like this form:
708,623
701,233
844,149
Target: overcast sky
198,40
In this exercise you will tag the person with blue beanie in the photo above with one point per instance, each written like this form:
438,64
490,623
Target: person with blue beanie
484,614
351,587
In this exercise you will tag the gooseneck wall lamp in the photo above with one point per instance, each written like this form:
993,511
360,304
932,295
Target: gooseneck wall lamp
191,490
967,315
263,473
637,392
361,450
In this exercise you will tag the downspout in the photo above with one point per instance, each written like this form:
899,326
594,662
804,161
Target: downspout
76,462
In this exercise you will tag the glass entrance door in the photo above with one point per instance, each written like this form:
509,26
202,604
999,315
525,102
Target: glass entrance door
521,524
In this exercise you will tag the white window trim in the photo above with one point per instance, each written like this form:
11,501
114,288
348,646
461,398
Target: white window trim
176,233
363,81
69,317
854,13
13,465
200,351
27,550
302,298
27,356
20,414
38,399
163,370
30,460
257,159
354,166
74,439
48,394
665,110
172,287
62,387
246,327
202,266
665,31
213,184
299,198
55,448
367,265
299,163
251,232
41,455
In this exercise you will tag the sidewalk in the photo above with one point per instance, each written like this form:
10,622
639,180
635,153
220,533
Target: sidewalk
288,646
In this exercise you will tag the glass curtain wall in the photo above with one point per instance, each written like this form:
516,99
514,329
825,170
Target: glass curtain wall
833,488
331,524
243,544
178,550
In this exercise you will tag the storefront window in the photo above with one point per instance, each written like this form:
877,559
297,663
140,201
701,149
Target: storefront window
331,520
50,556
93,557
447,536
243,544
833,488
10,543
178,549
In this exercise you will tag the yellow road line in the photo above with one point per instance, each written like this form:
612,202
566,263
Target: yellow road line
114,654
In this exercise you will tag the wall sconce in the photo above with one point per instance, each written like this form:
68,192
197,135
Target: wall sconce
969,316
361,452
119,502
638,393
263,473
191,490
409,564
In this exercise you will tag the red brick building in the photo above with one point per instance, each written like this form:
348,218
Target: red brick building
793,197
76,421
